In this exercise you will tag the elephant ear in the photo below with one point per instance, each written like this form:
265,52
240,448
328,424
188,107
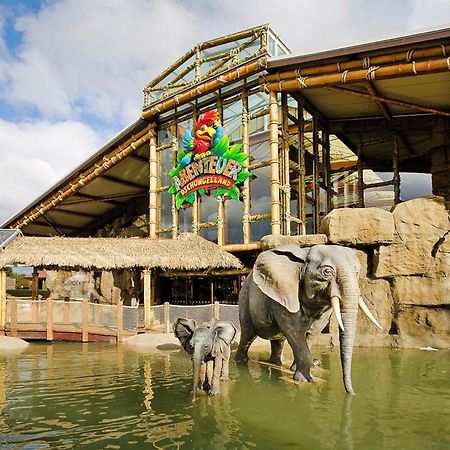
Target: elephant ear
184,328
277,274
224,333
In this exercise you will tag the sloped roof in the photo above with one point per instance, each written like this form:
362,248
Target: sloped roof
187,252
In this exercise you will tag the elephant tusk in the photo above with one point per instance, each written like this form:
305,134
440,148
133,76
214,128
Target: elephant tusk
337,311
367,312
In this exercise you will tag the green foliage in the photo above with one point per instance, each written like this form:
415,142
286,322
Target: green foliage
26,293
221,147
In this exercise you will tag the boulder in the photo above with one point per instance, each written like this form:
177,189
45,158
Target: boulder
306,240
422,291
12,344
363,260
358,226
421,225
420,326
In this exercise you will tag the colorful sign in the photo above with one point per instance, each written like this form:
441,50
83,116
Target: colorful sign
208,162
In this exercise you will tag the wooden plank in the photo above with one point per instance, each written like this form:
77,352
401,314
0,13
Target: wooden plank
49,304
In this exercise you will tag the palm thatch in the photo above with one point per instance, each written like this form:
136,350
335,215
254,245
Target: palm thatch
188,252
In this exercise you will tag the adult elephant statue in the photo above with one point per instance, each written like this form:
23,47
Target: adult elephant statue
209,347
288,290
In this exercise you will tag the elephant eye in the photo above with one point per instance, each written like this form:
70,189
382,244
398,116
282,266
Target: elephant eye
327,271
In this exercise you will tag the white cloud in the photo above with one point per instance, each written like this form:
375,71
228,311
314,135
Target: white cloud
35,155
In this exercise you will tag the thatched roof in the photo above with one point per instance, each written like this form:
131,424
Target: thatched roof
188,252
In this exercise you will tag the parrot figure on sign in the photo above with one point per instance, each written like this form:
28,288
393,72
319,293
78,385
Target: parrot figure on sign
208,132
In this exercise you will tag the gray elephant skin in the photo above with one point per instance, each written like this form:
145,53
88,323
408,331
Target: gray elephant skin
291,288
209,345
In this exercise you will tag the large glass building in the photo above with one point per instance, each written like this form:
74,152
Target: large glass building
361,126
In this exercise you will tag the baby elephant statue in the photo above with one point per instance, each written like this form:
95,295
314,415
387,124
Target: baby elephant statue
209,347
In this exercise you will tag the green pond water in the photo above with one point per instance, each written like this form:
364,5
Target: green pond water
103,396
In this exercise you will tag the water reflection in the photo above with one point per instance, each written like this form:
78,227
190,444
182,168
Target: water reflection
71,396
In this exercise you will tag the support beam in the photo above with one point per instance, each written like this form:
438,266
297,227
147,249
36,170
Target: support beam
35,284
286,192
302,166
360,165
391,101
274,164
246,225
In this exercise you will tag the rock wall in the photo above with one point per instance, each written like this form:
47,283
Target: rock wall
405,271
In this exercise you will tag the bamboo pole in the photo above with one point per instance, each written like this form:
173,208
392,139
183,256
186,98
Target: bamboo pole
196,215
221,235
119,331
13,322
174,211
85,321
274,164
153,185
166,315
211,289
360,166
236,74
2,300
100,167
363,63
49,305
302,163
316,174
374,72
216,311
286,193
246,225
326,161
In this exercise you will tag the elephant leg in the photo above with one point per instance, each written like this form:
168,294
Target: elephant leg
209,375
276,346
302,356
225,364
215,384
248,335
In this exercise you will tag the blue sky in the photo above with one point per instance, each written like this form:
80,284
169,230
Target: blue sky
72,71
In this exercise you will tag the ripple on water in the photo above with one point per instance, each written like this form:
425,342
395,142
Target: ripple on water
71,396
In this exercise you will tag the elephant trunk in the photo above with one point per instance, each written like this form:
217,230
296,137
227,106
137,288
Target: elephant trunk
348,283
196,364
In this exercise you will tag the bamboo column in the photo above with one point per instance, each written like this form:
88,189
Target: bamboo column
175,217
396,178
360,167
246,224
316,174
326,161
301,160
148,300
221,239
2,300
196,215
274,163
286,193
153,185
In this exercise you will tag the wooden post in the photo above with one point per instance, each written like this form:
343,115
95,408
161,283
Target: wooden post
216,311
148,300
166,313
274,163
49,304
326,161
360,167
302,164
246,224
66,313
2,300
119,321
396,178
196,215
211,289
13,309
34,311
85,321
35,284
153,185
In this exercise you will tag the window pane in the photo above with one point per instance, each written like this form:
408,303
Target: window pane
233,220
260,228
260,191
